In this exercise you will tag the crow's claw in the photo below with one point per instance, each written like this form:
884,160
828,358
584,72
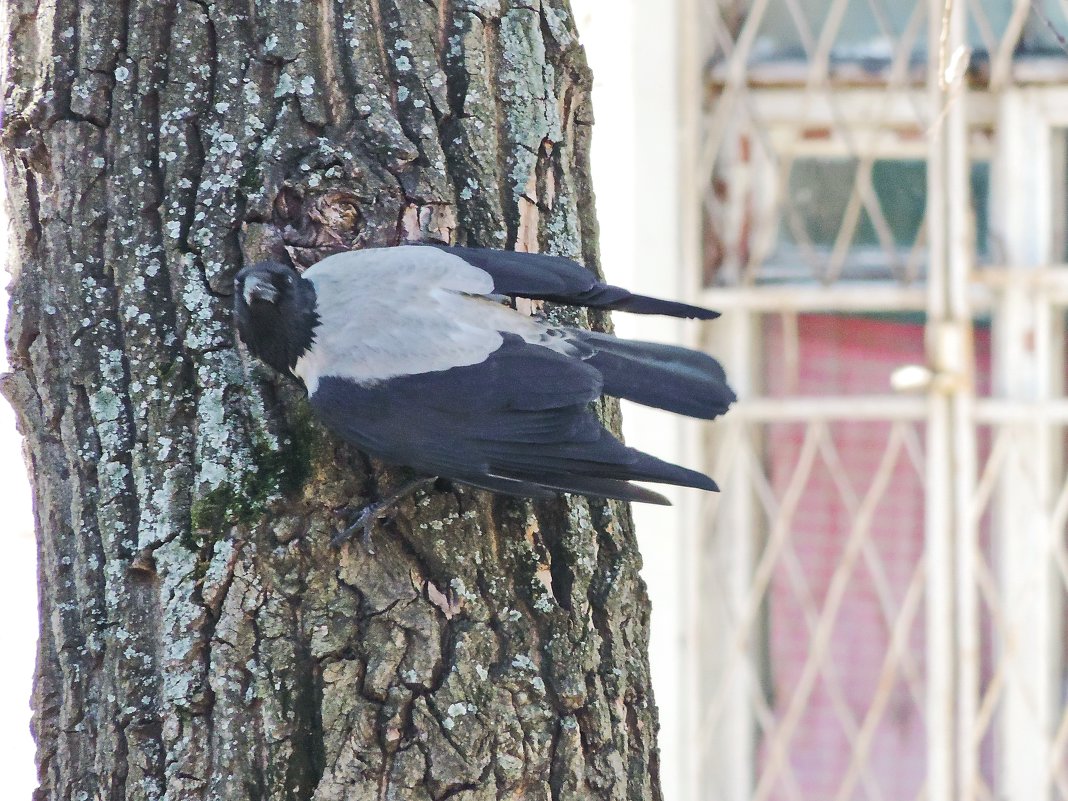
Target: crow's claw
366,521
380,510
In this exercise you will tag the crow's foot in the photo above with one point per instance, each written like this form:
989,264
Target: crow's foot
379,510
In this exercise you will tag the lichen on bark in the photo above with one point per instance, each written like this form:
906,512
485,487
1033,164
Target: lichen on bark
200,638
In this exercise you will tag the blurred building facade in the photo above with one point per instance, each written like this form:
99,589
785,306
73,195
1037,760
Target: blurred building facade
876,193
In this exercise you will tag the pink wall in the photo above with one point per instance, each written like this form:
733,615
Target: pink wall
847,356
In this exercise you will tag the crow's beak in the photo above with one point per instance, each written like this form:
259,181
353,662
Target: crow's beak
259,290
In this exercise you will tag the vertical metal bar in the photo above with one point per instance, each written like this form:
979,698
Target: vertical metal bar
958,361
734,548
939,561
1022,351
939,507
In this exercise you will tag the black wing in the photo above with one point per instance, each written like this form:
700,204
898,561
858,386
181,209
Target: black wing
518,423
560,280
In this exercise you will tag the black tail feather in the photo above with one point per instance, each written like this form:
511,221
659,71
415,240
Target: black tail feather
607,488
664,376
615,298
560,280
577,467
548,486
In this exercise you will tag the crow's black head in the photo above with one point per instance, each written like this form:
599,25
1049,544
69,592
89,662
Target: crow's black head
275,312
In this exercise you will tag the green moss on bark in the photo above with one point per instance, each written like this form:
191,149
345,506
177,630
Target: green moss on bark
280,471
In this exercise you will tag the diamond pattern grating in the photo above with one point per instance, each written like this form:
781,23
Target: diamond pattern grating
884,578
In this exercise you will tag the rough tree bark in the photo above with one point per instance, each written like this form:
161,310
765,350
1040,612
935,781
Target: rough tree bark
199,636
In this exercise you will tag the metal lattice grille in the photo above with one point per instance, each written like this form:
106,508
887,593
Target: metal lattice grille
826,637
882,586
1020,572
777,158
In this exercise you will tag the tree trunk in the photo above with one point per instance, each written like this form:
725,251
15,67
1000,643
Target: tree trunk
200,638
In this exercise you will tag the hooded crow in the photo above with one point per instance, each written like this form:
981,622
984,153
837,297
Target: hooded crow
410,354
